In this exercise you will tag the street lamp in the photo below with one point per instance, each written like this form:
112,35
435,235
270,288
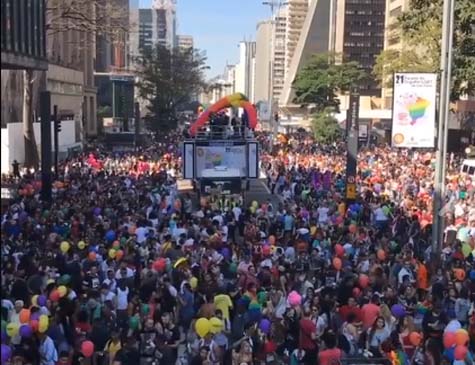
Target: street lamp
443,125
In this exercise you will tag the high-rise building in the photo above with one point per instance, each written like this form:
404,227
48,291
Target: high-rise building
184,41
392,38
363,38
296,13
244,73
280,52
263,61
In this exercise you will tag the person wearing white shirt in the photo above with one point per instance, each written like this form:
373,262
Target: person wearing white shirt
323,214
237,213
141,233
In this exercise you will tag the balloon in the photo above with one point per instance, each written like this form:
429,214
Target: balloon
272,240
232,267
415,338
294,298
449,340
134,323
363,280
64,246
459,274
356,292
255,204
97,211
145,309
34,300
42,300
119,255
202,327
265,326
160,264
35,316
461,337
339,250
381,255
54,295
262,297
398,310
26,331
472,273
92,256
43,323
110,235
112,253
460,352
216,325
193,283
62,291
34,323
6,353
226,252
87,348
81,245
24,315
466,249
266,250
12,329
337,264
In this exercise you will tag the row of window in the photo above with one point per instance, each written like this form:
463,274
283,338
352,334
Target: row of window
23,27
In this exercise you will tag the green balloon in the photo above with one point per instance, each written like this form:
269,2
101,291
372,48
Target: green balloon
233,267
123,240
134,323
262,297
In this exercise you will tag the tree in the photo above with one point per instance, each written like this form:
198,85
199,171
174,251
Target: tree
420,30
325,126
321,80
168,80
85,17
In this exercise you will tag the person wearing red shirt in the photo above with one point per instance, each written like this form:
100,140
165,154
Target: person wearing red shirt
308,337
351,307
331,355
370,312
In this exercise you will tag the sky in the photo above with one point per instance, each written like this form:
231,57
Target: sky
218,26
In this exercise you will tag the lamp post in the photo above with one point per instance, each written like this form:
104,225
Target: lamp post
443,125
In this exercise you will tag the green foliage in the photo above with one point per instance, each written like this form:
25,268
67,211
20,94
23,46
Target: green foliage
325,127
168,81
321,79
420,29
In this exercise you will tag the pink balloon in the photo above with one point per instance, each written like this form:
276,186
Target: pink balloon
294,298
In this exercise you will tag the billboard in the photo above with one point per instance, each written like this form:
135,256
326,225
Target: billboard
211,157
414,103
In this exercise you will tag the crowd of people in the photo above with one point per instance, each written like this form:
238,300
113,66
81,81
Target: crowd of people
123,269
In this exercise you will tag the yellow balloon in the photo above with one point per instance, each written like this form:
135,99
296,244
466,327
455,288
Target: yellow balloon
81,245
313,230
64,246
216,325
193,283
255,204
62,290
202,327
34,300
12,329
43,323
112,253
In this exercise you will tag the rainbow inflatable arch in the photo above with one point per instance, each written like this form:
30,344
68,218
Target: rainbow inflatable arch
237,100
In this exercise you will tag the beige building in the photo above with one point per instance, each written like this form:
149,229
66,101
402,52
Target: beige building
263,61
184,41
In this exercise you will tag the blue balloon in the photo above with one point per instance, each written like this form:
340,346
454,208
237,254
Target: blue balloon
472,274
110,235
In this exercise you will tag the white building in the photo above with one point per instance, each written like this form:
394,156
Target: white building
244,72
263,61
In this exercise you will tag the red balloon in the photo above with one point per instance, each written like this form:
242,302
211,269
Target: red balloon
54,295
87,348
449,340
266,250
363,280
337,264
34,324
460,353
160,264
339,250
381,255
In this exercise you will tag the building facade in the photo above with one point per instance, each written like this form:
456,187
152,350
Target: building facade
244,72
263,61
184,41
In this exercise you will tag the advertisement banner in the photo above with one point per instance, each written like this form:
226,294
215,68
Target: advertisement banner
414,105
219,157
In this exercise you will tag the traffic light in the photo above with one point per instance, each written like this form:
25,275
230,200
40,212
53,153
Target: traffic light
57,126
276,117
